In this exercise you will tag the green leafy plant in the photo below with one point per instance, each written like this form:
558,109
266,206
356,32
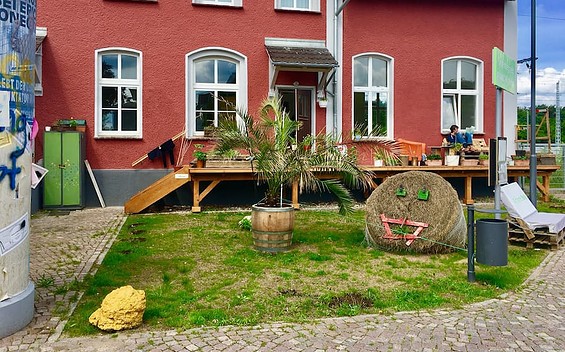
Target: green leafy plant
282,159
245,223
199,153
457,147
519,157
483,156
434,157
387,150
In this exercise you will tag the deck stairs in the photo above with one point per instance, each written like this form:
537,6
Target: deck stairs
158,190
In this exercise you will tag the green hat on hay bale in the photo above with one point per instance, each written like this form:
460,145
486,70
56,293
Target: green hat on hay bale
442,212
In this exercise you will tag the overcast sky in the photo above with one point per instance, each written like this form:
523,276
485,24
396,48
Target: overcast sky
550,50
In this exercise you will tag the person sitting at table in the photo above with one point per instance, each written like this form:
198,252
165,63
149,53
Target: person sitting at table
466,139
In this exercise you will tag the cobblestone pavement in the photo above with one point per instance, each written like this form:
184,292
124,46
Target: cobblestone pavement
531,319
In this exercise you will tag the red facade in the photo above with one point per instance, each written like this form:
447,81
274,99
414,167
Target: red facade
416,35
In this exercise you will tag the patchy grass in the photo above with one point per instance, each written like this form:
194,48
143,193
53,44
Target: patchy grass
201,270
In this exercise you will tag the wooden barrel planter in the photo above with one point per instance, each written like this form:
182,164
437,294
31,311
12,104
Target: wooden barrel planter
272,227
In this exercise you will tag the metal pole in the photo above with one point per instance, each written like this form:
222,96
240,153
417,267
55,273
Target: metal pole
533,157
557,116
498,127
471,243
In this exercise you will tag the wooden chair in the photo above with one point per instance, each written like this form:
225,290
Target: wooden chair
414,150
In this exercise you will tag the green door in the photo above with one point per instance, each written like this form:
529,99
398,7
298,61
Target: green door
52,188
71,169
63,158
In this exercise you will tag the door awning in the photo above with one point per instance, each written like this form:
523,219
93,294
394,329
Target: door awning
299,55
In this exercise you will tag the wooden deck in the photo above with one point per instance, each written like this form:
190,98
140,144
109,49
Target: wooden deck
216,175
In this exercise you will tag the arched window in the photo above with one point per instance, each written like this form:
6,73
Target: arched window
118,93
216,85
462,94
372,95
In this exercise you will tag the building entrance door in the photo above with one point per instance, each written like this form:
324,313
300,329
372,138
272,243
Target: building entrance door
298,103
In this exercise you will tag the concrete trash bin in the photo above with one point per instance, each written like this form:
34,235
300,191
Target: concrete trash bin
492,242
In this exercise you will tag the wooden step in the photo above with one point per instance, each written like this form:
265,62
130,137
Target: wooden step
157,190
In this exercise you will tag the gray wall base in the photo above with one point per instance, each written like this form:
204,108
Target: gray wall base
16,312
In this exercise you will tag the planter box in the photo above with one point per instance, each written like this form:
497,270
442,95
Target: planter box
546,159
228,163
521,163
69,125
469,162
434,162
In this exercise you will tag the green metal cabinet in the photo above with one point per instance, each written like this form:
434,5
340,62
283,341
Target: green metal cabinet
63,156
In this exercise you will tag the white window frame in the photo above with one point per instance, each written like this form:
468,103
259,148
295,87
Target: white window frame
38,71
105,82
233,3
455,94
41,33
313,6
373,90
191,86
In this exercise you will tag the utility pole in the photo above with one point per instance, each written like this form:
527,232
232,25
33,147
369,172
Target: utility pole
557,117
533,156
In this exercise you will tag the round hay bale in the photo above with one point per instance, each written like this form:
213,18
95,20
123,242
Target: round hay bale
442,212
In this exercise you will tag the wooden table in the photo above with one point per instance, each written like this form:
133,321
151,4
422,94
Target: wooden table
216,175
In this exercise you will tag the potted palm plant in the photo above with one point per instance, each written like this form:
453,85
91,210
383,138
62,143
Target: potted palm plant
316,163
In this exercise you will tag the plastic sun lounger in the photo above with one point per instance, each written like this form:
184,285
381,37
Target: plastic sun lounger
549,227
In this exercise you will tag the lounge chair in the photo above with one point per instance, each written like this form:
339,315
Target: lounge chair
526,223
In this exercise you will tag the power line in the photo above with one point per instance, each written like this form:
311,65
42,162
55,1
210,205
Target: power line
545,18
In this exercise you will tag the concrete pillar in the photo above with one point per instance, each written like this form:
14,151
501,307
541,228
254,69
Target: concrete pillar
17,100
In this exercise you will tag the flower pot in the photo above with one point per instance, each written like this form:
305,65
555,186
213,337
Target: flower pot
521,163
483,162
434,162
378,162
452,160
200,163
272,227
323,103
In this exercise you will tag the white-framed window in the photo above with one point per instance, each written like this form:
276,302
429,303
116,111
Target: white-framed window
216,80
372,95
41,34
234,3
298,5
118,93
462,93
38,71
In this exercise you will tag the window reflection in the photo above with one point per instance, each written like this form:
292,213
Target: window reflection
226,72
129,67
204,71
109,66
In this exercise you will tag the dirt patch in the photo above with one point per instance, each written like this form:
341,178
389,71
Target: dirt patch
351,299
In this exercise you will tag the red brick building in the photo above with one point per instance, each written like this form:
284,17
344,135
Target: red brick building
141,72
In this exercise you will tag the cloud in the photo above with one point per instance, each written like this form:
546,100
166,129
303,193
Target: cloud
546,86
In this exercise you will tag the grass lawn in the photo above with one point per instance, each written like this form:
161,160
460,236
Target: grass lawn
201,270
